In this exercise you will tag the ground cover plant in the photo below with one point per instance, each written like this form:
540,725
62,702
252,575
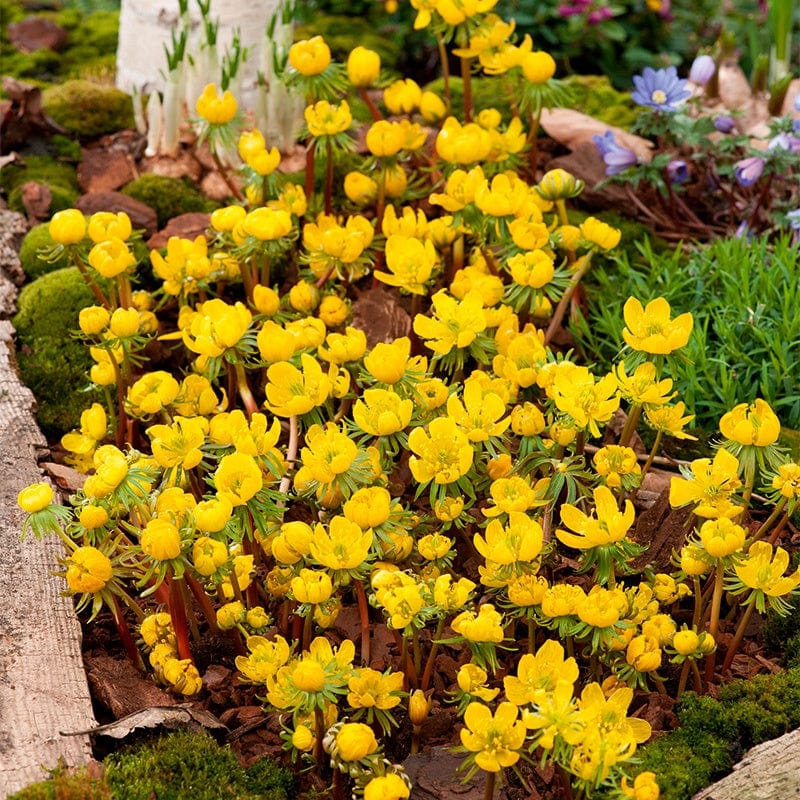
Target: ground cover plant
467,485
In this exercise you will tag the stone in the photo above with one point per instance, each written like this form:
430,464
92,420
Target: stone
103,170
187,226
37,33
142,216
434,777
36,200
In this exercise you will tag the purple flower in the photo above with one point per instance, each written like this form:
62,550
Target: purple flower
678,171
749,170
661,89
599,15
725,123
616,157
780,142
794,219
702,70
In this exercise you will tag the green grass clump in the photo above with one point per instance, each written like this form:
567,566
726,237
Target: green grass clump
52,364
187,766
715,733
88,109
168,197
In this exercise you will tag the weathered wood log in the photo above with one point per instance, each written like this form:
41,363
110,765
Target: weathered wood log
43,688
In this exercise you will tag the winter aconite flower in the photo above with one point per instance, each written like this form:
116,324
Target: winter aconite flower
754,424
495,739
215,108
649,329
660,89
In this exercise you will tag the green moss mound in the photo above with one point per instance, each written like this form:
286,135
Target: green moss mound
186,766
168,197
51,363
88,109
715,733
64,785
43,169
594,95
37,238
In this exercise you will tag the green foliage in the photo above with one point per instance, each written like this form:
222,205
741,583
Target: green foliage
168,197
484,95
66,785
714,733
51,364
186,766
88,109
33,266
743,295
782,634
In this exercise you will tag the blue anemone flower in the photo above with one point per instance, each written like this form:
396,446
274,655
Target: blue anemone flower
616,157
661,89
748,170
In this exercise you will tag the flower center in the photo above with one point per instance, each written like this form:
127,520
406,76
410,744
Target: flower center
659,96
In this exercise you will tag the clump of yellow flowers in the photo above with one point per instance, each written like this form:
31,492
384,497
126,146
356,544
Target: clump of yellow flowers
458,484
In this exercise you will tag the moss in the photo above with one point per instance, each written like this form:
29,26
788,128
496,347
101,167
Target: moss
88,109
52,364
486,93
716,732
186,766
43,169
66,785
168,197
594,95
62,198
37,238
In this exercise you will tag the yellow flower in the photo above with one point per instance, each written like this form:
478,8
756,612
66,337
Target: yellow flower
265,658
253,151
88,570
534,268
208,555
462,144
453,323
183,675
487,626
558,184
763,573
325,119
359,188
216,109
669,419
431,107
291,391
643,653
310,56
454,12
35,497
387,362
616,465
722,537
645,786
355,741
268,224
342,546
450,596
160,539
108,225
312,586
754,424
442,455
363,66
212,515
448,509
521,540
266,300
609,526
67,227
576,393
651,330
495,739
238,478
410,263
471,679
459,190
111,258
341,348
185,263
93,320
538,673
333,311
216,327
711,486
538,67
787,480
600,233
93,516
641,387
330,245
372,689
403,96
387,787
382,412
178,444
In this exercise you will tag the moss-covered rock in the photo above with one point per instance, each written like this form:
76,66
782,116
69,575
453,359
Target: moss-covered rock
62,198
168,197
52,364
187,766
88,109
43,169
37,238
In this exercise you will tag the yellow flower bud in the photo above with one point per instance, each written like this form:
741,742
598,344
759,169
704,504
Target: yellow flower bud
226,219
35,497
312,586
93,516
304,296
419,707
538,66
111,258
363,66
302,738
333,311
67,227
432,107
208,555
310,57
161,540
558,184
124,323
88,570
309,676
685,642
93,320
107,225
355,741
266,300
359,188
